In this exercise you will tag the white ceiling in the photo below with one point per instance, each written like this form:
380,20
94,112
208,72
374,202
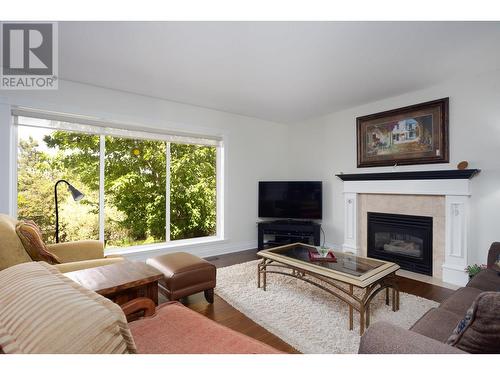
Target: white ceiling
282,71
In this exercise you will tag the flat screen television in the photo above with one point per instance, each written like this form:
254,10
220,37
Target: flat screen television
290,199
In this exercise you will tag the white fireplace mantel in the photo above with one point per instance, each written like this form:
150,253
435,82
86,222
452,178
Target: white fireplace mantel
457,196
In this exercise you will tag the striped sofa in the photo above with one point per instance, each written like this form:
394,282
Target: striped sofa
43,311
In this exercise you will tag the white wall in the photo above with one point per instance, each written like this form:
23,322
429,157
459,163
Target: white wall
315,149
255,149
328,146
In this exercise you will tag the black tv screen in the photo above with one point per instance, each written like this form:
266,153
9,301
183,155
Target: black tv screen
290,199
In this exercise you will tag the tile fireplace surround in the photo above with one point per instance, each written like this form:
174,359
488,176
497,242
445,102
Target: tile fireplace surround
445,199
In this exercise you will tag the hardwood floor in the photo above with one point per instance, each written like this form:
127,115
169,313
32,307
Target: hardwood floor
228,316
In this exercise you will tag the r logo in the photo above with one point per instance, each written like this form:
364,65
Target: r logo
27,49
29,56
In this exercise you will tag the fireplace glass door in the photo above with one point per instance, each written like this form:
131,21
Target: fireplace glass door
402,239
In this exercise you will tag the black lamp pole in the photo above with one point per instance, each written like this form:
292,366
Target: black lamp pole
77,195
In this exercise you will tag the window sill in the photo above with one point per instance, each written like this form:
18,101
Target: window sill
172,245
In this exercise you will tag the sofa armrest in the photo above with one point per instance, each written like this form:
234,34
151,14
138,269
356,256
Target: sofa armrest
84,264
493,255
77,250
386,338
139,304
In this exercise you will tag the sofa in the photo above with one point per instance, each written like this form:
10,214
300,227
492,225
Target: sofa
74,256
476,307
44,312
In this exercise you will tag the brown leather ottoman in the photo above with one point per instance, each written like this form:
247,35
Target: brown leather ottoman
184,274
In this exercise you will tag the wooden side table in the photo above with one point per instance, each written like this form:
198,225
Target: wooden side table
120,282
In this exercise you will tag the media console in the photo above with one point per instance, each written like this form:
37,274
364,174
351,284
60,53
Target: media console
287,232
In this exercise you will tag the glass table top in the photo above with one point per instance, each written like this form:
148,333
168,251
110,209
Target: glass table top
346,263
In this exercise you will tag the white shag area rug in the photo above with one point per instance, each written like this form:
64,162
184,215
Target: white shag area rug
304,316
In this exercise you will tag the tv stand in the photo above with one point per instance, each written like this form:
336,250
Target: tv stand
286,232
292,221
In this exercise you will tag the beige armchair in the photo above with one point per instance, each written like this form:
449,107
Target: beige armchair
74,256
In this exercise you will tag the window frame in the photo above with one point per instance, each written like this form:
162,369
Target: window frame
88,125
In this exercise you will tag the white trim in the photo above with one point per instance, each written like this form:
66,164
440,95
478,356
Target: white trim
454,275
416,187
13,153
457,196
456,246
454,268
89,125
84,124
220,188
167,192
102,165
202,247
161,245
351,223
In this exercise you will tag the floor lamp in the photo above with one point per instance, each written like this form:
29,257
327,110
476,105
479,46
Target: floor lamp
77,195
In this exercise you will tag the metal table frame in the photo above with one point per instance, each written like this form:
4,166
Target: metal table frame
344,293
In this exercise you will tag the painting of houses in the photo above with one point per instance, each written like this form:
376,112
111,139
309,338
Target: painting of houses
406,131
416,134
410,135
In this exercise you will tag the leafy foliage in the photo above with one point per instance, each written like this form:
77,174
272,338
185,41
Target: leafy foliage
37,173
35,188
192,191
474,269
134,187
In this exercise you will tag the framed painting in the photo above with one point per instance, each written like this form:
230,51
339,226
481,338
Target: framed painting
417,134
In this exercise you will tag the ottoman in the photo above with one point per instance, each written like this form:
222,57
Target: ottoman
184,274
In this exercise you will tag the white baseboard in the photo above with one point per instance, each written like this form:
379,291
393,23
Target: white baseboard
454,275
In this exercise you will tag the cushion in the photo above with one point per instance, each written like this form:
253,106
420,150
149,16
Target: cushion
460,301
479,330
487,280
42,311
184,273
176,329
437,324
11,248
494,256
31,237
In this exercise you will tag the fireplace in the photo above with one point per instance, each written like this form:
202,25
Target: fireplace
402,239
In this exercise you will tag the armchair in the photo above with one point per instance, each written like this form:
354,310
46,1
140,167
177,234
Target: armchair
74,256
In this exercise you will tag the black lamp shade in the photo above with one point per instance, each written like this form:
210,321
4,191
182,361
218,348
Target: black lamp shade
77,194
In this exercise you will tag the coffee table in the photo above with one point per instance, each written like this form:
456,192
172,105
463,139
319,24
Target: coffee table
369,275
120,282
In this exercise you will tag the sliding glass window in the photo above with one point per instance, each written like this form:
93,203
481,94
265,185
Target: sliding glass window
140,188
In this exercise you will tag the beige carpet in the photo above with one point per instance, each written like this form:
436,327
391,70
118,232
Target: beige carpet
304,316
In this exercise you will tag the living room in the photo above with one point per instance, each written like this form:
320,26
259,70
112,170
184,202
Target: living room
204,186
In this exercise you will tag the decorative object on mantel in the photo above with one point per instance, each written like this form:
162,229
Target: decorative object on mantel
474,269
416,134
463,165
447,174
